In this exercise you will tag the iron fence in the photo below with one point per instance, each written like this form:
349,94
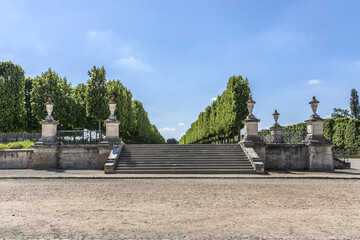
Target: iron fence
80,136
289,136
15,137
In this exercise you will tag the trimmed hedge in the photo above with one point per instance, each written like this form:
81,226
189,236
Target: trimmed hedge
343,132
17,145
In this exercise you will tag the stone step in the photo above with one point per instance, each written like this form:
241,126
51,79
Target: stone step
188,171
212,159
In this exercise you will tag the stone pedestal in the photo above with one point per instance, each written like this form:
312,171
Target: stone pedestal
320,153
112,127
48,132
251,136
112,132
276,134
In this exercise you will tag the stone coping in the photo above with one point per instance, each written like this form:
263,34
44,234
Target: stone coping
17,150
99,174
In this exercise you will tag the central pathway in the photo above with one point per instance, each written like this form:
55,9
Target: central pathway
183,159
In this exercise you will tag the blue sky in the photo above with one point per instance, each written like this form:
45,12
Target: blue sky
175,56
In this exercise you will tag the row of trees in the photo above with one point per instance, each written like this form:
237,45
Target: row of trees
225,114
85,106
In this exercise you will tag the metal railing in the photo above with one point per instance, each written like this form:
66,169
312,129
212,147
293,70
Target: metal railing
15,137
80,136
288,136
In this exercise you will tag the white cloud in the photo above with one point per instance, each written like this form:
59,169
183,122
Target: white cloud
181,124
132,63
213,99
167,129
314,81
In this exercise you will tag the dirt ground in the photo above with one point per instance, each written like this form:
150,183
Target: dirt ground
180,208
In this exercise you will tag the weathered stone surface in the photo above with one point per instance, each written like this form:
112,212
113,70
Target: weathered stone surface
45,157
15,158
286,157
321,158
79,157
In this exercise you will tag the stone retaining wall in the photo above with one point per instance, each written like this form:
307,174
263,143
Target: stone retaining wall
286,157
15,158
56,157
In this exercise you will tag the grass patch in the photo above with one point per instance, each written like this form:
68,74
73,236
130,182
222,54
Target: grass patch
17,145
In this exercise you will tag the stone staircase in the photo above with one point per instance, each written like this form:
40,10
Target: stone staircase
183,159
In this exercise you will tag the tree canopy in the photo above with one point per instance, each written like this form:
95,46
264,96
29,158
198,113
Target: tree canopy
225,114
22,103
12,100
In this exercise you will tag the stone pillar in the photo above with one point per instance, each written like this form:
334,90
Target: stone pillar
276,129
320,153
251,136
112,127
46,150
49,127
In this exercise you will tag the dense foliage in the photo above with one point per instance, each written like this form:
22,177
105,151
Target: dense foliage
354,104
17,145
172,141
22,104
12,97
343,132
225,114
96,95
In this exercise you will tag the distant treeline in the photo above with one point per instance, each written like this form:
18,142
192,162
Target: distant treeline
225,114
22,102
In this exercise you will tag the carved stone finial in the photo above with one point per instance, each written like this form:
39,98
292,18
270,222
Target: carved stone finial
250,106
49,108
276,117
112,105
314,105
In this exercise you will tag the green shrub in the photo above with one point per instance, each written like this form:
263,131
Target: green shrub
352,135
17,145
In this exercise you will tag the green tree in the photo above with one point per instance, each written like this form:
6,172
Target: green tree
352,135
340,113
51,85
96,95
80,119
224,116
12,85
172,141
354,104
31,124
123,97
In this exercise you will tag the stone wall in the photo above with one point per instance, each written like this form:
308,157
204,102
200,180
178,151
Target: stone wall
15,158
286,157
56,157
79,157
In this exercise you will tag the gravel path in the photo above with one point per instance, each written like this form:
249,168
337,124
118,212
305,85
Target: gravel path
180,208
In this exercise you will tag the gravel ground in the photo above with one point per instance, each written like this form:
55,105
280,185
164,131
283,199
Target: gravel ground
180,208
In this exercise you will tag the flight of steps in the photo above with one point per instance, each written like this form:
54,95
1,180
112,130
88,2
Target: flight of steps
183,159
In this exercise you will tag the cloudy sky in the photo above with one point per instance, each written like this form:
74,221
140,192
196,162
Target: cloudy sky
176,56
